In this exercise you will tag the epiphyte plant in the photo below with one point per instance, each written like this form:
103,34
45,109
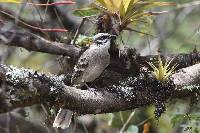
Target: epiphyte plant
164,70
128,11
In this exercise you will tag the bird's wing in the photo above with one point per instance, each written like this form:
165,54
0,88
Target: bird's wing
82,65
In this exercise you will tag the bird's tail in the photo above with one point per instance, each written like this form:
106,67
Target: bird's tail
63,118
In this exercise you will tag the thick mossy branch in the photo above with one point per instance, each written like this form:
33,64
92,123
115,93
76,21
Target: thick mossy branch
123,83
186,77
23,87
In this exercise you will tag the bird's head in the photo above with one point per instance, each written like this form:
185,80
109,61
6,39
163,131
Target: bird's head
103,39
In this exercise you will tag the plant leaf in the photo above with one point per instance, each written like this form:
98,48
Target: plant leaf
178,119
10,1
129,11
86,12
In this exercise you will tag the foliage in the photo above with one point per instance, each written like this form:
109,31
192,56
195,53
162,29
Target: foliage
178,119
163,71
86,12
47,4
10,1
185,120
128,11
83,41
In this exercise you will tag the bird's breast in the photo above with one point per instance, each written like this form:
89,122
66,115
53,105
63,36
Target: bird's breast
97,65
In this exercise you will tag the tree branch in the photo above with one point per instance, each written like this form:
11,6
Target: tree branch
33,42
25,87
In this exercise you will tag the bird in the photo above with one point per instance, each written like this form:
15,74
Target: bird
90,66
93,61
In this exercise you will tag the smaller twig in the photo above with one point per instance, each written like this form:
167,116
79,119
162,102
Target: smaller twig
20,11
45,11
142,122
84,127
38,12
127,121
58,17
130,29
78,31
8,122
47,4
17,128
31,26
157,13
75,124
121,116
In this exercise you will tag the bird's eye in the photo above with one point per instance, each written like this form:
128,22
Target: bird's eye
104,37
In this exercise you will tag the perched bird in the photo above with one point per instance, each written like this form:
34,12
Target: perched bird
93,61
89,67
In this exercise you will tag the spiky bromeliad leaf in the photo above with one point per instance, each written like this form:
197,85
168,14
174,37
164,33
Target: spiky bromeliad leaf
38,4
129,11
163,71
10,1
